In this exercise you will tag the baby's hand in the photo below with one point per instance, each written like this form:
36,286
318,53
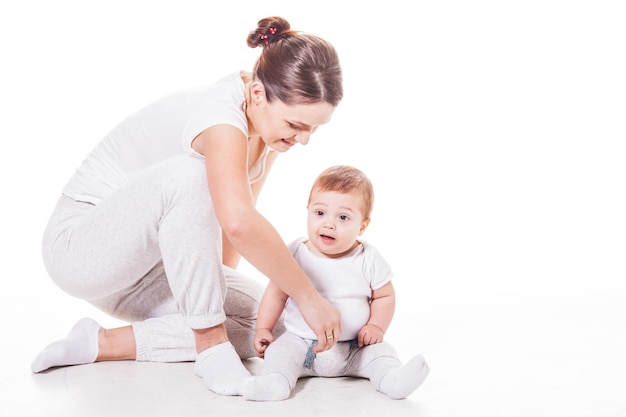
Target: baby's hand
370,334
262,340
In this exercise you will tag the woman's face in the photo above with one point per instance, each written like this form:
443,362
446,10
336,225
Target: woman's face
282,126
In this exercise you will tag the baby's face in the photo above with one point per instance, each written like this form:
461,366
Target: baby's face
334,222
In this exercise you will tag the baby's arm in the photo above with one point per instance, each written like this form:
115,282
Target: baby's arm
270,309
382,308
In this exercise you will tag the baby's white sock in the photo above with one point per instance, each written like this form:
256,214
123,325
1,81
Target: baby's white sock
221,369
80,346
273,387
401,382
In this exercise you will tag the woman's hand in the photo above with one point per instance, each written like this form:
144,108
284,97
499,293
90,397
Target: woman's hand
324,319
262,339
370,334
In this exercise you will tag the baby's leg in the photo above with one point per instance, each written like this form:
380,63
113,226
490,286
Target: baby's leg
272,387
282,366
401,381
380,364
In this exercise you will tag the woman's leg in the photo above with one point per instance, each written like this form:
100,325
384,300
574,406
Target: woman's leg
166,337
162,217
163,214
116,344
87,342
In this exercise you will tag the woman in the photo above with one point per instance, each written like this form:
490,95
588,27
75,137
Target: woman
151,226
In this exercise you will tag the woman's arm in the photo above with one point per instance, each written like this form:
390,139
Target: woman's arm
230,256
225,149
382,307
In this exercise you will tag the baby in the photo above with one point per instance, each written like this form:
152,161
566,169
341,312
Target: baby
355,278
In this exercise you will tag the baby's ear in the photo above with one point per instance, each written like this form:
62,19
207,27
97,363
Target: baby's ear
364,225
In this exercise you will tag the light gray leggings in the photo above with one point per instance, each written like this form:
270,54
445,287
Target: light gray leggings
287,354
150,254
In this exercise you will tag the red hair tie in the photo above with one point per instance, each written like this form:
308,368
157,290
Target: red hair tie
266,37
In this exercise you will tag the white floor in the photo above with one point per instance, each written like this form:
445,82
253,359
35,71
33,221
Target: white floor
507,355
493,132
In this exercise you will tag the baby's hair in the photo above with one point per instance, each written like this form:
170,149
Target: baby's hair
295,67
346,179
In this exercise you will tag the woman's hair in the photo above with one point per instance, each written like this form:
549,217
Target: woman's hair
346,179
295,67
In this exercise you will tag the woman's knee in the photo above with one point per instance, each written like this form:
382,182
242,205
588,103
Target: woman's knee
184,173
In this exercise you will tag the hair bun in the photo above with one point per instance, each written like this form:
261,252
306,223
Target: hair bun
268,31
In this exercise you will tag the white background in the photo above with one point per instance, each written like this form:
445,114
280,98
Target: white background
494,133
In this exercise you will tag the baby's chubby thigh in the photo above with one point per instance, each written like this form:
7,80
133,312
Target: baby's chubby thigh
333,362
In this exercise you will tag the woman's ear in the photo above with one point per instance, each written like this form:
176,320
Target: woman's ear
257,92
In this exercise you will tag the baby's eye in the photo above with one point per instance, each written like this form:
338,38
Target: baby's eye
343,217
319,212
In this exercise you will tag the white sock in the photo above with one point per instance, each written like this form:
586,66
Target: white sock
401,382
221,369
80,346
273,387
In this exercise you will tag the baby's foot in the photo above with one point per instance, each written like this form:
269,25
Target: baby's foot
273,387
401,382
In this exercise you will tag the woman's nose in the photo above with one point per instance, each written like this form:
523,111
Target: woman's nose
303,137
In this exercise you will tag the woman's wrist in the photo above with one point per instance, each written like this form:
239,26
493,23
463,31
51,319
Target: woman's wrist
306,295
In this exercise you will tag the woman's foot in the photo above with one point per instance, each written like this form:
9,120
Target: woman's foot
221,369
80,346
